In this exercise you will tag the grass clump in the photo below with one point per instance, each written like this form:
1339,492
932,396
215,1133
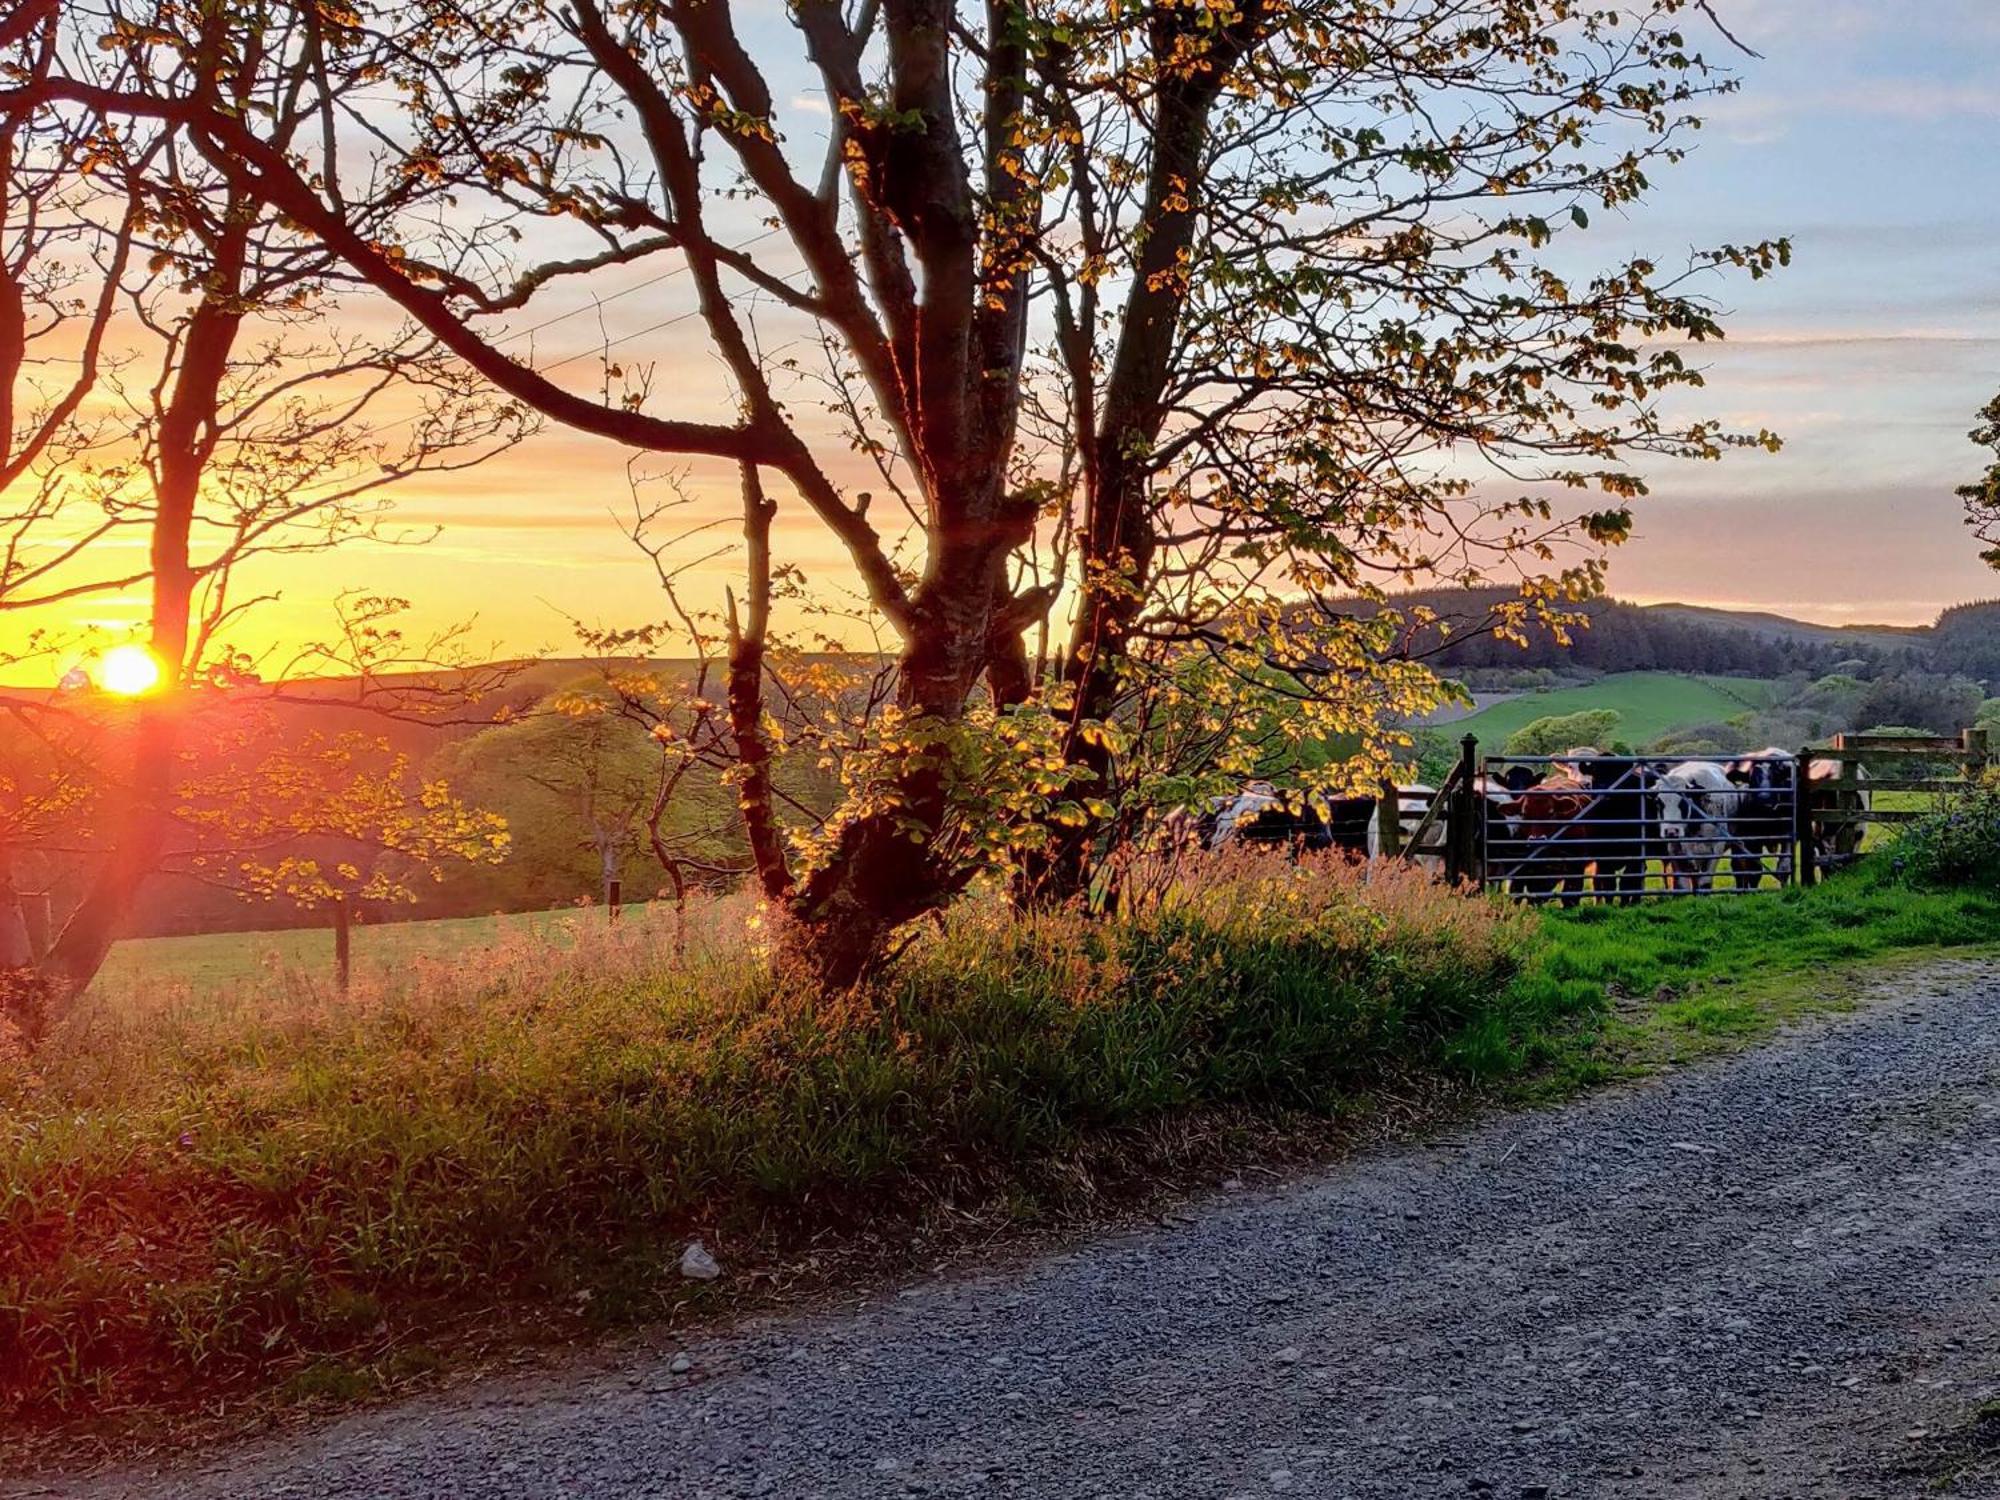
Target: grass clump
196,1189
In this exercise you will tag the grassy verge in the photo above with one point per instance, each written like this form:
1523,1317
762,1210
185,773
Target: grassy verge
211,1191
1614,990
200,1189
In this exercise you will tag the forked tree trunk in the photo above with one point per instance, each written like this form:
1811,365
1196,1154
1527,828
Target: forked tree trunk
886,868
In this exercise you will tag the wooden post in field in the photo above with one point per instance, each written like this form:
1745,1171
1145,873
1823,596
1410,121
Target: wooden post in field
1389,820
1978,753
343,942
612,897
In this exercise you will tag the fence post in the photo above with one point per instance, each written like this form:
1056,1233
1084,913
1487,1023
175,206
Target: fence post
1464,832
1389,820
1806,866
1977,753
343,942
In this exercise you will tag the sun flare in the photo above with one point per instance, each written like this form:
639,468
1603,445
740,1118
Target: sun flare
129,671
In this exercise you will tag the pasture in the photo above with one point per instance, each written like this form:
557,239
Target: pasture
1649,705
217,960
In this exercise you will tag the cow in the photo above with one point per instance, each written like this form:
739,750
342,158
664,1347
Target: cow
1697,804
1500,801
1552,835
1765,819
1259,814
1616,825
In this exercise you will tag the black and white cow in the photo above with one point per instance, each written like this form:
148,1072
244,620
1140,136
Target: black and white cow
1766,818
1697,804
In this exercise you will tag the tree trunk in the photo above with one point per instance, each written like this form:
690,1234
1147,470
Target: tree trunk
23,992
886,868
186,443
80,949
607,868
16,949
747,639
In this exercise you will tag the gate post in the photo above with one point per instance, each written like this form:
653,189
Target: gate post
1464,830
1389,819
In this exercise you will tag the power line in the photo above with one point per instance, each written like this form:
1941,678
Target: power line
653,281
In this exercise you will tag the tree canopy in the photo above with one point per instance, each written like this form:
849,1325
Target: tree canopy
1982,496
1560,732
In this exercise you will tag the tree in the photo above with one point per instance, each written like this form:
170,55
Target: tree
1982,496
573,776
334,824
1934,705
1559,732
1156,320
214,415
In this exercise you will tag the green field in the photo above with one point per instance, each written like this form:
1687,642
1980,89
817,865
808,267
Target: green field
222,959
1650,704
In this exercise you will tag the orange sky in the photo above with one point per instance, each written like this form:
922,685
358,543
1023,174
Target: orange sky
1866,135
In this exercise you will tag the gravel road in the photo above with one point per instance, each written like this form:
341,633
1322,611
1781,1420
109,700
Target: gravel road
1771,1275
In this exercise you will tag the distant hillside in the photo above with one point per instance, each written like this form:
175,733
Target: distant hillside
1648,705
1621,637
1700,639
1781,627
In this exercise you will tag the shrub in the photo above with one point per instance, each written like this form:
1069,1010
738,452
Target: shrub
1560,732
210,1187
1956,844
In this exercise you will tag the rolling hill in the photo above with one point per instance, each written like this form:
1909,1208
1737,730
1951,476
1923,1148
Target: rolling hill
1650,704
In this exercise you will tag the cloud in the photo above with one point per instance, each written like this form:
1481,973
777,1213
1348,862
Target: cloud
1919,100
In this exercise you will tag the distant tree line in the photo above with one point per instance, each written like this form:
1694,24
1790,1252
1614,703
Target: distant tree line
1613,636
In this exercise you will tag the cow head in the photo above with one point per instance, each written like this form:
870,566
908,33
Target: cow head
1681,806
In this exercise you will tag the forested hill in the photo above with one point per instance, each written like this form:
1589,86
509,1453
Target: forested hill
1624,637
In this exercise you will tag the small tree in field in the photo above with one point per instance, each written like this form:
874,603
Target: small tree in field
1982,497
334,824
1159,328
1560,732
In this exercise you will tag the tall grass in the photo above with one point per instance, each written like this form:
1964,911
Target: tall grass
196,1188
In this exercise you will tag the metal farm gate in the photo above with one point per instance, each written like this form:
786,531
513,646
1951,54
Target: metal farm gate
1616,828
1619,828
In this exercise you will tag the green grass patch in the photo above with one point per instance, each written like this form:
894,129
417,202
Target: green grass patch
1649,705
304,955
1613,990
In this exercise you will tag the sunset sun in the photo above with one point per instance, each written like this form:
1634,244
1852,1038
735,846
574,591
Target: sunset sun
129,671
